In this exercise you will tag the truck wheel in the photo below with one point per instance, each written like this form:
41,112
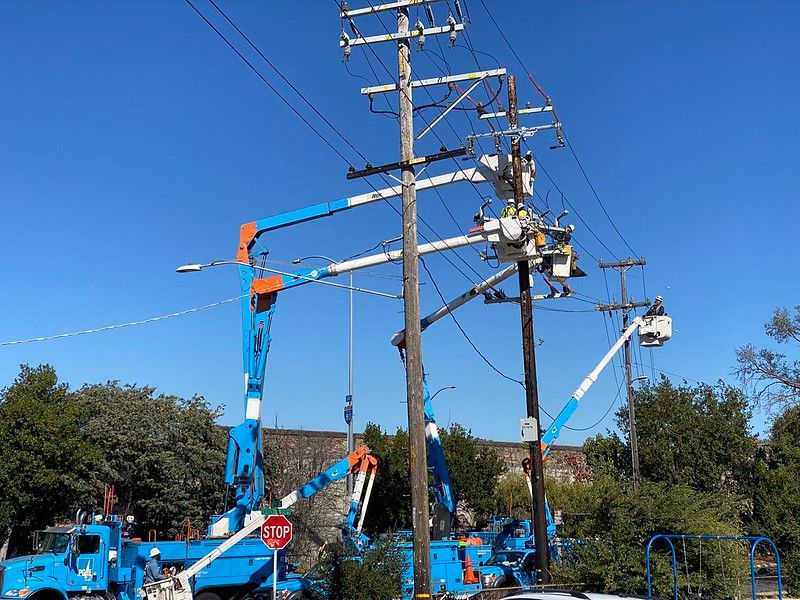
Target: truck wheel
506,582
207,596
303,595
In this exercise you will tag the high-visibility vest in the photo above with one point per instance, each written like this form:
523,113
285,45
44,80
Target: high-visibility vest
509,211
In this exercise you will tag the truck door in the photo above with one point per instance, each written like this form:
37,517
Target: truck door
527,570
88,562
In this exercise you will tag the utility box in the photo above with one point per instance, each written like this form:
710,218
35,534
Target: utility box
529,429
496,168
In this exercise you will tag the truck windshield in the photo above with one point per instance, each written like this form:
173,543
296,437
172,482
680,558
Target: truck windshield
505,559
47,541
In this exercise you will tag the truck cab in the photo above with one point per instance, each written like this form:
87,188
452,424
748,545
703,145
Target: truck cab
68,560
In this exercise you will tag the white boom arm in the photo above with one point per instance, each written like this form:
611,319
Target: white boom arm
399,337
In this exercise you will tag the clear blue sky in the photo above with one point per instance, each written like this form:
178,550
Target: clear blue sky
133,141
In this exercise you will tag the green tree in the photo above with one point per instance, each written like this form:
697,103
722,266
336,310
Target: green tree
771,378
777,497
474,472
376,574
164,454
43,454
608,456
512,497
699,436
390,503
616,521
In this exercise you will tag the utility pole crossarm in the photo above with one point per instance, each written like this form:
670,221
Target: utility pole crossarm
397,36
617,306
448,79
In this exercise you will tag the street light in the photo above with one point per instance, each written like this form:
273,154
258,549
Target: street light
449,387
348,402
195,267
640,378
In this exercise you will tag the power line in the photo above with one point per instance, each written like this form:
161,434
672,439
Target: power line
287,81
566,138
268,84
464,333
605,414
121,325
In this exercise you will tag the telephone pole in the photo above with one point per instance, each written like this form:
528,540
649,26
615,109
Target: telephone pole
623,266
538,519
416,418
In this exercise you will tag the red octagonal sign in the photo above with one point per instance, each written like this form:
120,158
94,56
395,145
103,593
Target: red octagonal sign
276,532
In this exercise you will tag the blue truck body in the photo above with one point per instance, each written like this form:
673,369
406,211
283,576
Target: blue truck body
94,560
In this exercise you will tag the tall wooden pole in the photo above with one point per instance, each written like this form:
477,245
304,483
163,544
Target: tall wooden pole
416,418
538,518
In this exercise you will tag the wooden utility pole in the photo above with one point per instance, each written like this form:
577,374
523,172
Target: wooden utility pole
538,518
416,418
623,266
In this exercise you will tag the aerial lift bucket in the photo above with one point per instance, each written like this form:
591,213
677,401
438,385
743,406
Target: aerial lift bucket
654,331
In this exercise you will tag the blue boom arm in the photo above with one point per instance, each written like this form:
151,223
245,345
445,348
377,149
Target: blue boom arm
443,490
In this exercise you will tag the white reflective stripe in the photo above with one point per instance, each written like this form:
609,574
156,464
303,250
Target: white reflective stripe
287,501
253,410
431,431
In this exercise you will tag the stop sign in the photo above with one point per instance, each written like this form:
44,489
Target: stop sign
276,532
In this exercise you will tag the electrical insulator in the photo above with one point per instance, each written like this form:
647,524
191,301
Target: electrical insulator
458,11
421,37
451,22
347,48
429,12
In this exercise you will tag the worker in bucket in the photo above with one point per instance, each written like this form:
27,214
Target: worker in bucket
510,210
657,310
152,570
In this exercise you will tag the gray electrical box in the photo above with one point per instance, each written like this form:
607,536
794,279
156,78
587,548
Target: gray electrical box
529,429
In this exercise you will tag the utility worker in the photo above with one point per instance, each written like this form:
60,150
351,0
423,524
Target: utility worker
509,210
657,310
152,570
522,211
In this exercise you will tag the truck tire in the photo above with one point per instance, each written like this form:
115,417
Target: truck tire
207,596
506,582
302,595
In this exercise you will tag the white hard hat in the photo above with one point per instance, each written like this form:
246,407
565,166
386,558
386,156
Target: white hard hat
154,552
570,228
659,299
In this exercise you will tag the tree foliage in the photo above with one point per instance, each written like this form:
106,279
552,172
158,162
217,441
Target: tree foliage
694,435
777,497
615,522
375,574
164,454
43,453
474,472
771,378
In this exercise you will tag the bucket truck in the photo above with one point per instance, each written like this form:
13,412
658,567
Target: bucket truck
96,558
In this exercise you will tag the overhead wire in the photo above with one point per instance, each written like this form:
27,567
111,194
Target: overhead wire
605,414
267,83
104,328
566,138
463,332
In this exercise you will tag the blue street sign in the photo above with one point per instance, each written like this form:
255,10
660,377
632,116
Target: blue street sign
348,409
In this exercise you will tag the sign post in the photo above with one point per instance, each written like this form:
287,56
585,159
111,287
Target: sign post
276,533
